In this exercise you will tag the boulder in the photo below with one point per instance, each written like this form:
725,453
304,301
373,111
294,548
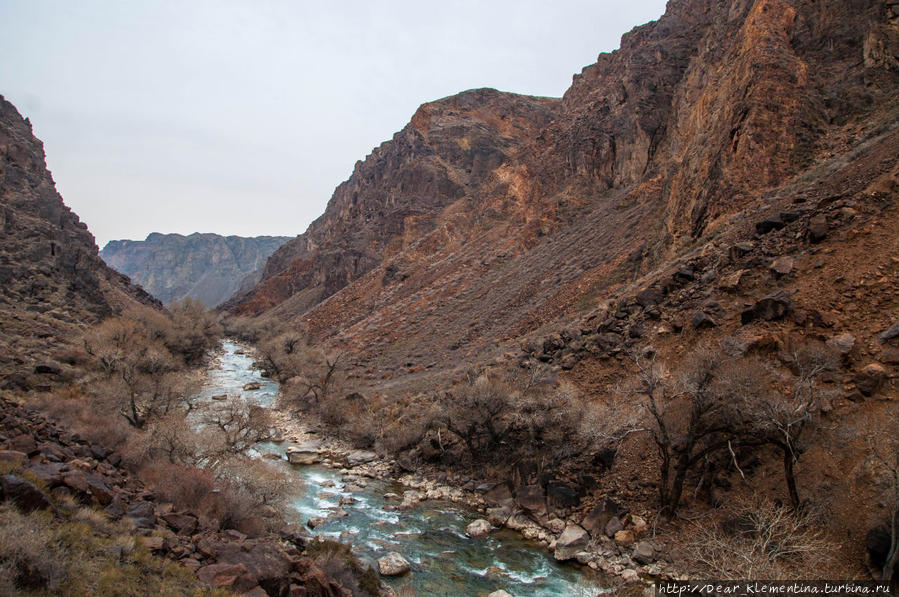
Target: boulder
360,457
629,575
572,540
817,228
142,514
732,280
888,334
649,297
562,495
183,524
644,553
393,564
739,250
227,576
532,499
783,265
702,320
842,343
499,495
774,306
625,538
499,516
304,454
24,494
253,385
613,526
871,378
478,529
772,222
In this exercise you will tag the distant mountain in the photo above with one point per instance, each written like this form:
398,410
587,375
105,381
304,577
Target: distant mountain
52,281
206,267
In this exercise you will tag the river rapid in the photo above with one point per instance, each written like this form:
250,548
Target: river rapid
431,536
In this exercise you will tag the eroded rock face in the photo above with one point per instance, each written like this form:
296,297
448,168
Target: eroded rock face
206,267
51,277
697,118
397,194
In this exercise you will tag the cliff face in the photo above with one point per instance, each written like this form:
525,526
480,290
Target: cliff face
399,193
703,120
52,279
206,267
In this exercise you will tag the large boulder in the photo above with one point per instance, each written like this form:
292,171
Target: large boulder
26,495
871,378
776,305
393,564
235,577
304,454
478,529
360,457
532,499
572,540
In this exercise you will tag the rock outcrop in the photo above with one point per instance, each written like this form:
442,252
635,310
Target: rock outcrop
207,267
52,280
491,215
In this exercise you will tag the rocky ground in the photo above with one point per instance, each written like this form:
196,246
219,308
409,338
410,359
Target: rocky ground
606,537
47,462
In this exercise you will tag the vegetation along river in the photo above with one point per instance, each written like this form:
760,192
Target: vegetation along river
431,535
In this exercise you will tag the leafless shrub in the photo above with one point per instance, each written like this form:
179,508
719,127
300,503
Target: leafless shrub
763,540
230,428
30,556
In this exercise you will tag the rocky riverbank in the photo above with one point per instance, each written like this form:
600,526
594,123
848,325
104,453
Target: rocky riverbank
44,465
605,539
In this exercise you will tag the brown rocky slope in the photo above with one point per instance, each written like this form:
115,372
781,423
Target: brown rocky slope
52,280
716,112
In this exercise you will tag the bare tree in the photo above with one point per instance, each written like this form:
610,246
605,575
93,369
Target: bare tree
780,415
475,412
687,426
231,428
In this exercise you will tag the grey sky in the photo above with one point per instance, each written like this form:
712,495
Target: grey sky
242,117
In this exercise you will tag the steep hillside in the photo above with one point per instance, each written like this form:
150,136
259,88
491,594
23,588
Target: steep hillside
399,194
52,280
718,111
206,267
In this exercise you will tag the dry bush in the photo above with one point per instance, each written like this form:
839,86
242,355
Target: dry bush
476,411
532,416
251,330
230,428
763,540
30,555
253,495
339,562
170,439
194,331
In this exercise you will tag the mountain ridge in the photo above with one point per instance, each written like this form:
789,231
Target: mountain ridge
208,267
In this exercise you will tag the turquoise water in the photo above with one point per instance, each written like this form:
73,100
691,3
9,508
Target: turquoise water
431,535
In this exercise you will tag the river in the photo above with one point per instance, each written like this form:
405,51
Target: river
431,535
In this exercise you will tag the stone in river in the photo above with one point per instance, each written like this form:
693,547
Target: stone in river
253,385
393,564
478,529
572,540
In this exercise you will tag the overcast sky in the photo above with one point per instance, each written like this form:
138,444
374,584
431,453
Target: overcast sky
241,117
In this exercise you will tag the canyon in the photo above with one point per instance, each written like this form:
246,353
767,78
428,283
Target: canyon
207,267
